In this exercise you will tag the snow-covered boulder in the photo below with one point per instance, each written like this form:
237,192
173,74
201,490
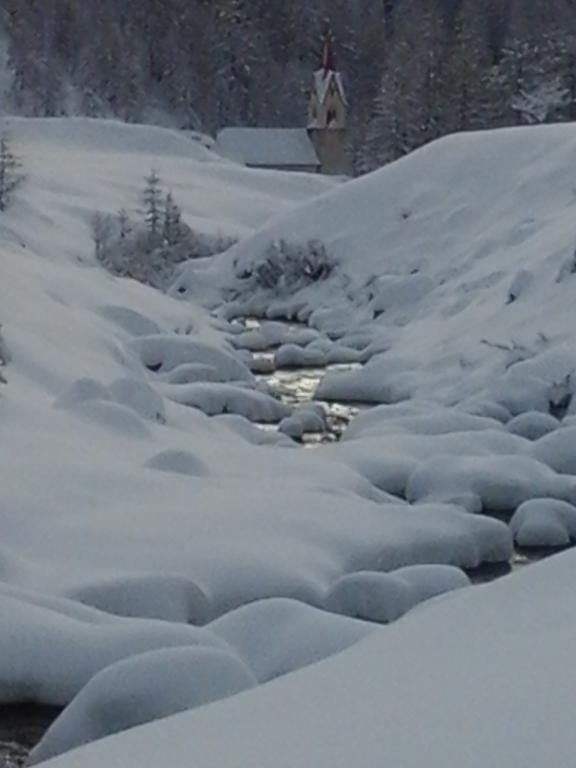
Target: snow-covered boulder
146,687
292,427
214,399
384,597
417,418
190,373
500,483
180,462
486,408
293,356
132,322
166,352
82,391
278,636
140,397
557,450
151,596
544,523
520,392
532,425
55,646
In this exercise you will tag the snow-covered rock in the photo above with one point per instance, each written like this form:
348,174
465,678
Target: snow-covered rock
532,425
557,450
498,484
146,687
544,523
384,597
216,398
278,636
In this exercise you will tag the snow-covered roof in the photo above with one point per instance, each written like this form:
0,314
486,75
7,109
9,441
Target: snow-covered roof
271,147
323,79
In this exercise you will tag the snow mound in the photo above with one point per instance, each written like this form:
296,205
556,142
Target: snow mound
384,597
50,649
557,450
420,418
178,461
498,484
544,523
215,398
114,418
278,636
164,353
131,321
163,597
91,396
141,689
532,425
140,397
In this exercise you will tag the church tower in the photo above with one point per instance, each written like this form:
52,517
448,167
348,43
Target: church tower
328,114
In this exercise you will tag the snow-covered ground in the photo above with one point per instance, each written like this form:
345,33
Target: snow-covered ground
128,514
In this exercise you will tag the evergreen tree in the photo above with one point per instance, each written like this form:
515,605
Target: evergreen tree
153,206
172,222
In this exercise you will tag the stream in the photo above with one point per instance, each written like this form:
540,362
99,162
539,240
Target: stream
296,386
22,726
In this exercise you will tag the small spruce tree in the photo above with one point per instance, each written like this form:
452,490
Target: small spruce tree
153,206
172,223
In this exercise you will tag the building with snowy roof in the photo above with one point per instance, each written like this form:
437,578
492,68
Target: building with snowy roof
284,149
321,147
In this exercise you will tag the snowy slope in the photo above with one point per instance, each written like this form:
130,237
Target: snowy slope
475,679
113,493
121,506
460,250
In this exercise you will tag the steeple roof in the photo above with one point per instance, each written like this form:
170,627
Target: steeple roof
328,74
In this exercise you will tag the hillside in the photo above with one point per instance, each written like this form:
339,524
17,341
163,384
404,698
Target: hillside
165,547
458,260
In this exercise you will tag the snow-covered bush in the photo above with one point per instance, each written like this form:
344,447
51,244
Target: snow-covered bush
288,266
10,175
150,248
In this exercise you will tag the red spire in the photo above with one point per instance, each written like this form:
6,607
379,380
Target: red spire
328,57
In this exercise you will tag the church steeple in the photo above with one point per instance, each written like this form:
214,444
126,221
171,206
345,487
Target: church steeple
328,111
328,57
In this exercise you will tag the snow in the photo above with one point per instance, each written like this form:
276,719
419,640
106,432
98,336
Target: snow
557,450
129,514
497,484
479,677
421,243
146,687
51,649
278,636
533,425
384,597
544,523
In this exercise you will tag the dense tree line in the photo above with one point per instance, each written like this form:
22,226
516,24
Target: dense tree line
416,69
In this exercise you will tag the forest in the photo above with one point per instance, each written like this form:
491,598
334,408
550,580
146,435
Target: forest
415,69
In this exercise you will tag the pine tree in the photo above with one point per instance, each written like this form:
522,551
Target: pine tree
153,207
10,172
172,221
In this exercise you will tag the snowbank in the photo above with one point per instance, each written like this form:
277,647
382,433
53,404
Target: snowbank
482,677
146,687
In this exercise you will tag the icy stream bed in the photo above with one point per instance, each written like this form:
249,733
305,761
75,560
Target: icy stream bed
21,728
296,386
